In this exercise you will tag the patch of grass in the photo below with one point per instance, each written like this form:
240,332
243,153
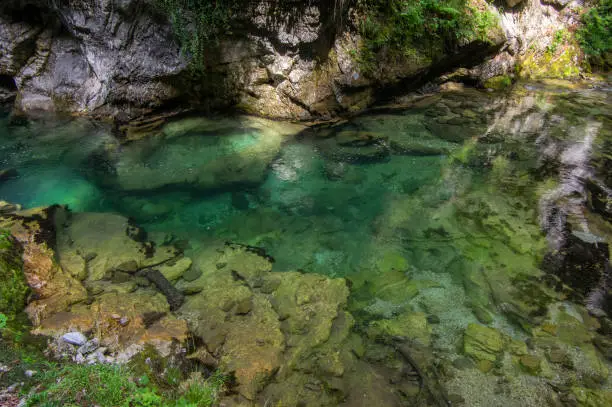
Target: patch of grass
103,385
116,386
66,384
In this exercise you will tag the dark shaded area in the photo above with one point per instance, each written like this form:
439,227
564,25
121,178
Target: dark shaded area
582,262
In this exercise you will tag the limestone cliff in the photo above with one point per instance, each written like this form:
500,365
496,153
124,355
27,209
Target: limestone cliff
284,59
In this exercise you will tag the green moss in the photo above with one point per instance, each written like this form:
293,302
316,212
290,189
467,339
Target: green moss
14,288
560,60
500,82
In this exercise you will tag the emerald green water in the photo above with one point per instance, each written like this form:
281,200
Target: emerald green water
432,209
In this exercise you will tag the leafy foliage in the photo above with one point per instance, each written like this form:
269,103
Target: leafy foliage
410,27
3,321
595,35
198,23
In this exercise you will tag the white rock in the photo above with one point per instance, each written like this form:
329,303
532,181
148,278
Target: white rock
75,338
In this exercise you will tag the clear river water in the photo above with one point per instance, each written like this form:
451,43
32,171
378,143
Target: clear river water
431,211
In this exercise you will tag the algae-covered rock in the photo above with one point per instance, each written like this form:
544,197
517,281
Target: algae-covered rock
13,287
260,323
175,270
531,364
592,398
412,326
482,343
117,244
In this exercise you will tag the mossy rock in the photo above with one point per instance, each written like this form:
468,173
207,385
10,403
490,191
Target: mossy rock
531,364
592,398
13,287
411,325
482,343
500,82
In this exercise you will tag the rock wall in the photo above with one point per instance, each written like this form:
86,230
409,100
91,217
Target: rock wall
284,59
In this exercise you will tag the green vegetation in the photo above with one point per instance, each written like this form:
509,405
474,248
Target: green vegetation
595,35
13,289
198,23
560,37
419,28
52,384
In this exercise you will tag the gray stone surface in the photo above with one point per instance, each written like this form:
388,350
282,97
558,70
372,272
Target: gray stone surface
75,338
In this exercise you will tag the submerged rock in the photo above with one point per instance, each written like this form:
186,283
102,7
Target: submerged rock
191,154
482,343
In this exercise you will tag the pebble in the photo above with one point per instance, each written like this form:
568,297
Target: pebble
29,373
75,338
123,321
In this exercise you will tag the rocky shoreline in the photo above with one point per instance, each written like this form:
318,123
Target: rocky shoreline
121,61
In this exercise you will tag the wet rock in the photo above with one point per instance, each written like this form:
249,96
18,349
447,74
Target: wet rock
75,338
192,274
409,326
244,306
130,266
239,158
463,363
531,364
174,270
482,343
104,234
